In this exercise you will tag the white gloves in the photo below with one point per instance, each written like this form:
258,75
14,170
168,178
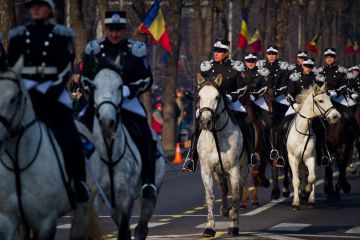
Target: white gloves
228,97
354,96
126,91
252,97
332,93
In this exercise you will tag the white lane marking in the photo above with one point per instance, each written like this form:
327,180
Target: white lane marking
64,226
218,225
323,236
276,237
354,230
150,225
289,227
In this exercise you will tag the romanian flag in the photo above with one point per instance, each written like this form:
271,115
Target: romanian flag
349,47
356,47
254,42
154,25
312,45
243,32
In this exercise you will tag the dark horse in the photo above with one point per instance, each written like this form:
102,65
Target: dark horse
340,140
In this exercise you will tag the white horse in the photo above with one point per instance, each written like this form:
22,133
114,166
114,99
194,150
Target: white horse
120,168
220,136
33,195
301,138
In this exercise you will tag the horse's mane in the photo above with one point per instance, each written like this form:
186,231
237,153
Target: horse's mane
304,93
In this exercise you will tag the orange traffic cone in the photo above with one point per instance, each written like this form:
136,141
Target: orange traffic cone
178,156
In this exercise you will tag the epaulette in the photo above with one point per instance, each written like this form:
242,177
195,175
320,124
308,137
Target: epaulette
352,75
205,66
18,31
138,49
317,70
342,69
263,71
283,65
295,76
320,78
238,66
260,63
93,47
291,67
63,31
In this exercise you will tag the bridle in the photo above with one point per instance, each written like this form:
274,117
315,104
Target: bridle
214,114
324,112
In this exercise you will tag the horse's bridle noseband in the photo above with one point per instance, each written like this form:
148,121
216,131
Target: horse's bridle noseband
109,102
323,112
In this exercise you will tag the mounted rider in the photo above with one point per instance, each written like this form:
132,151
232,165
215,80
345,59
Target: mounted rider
337,83
233,86
298,82
135,71
277,80
48,52
297,67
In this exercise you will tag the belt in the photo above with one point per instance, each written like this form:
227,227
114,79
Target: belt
39,70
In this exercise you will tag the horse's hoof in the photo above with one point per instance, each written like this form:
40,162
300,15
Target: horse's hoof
275,194
209,232
265,182
344,185
311,205
286,194
242,206
255,204
141,233
233,231
295,207
304,195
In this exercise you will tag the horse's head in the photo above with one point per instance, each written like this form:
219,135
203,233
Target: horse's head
269,97
11,99
315,102
107,94
210,101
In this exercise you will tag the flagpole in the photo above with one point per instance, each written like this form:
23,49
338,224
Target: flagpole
230,26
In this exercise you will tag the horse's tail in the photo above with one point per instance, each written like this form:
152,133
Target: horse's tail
94,231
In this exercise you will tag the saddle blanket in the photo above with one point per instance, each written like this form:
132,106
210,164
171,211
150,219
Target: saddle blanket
262,104
237,106
282,99
346,101
134,106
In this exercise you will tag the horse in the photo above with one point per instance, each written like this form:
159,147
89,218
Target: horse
301,139
120,166
224,160
34,185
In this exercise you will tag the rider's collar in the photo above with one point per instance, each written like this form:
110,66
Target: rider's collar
226,61
41,22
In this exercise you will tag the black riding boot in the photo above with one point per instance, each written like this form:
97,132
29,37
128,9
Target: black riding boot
140,132
59,119
192,156
322,156
86,116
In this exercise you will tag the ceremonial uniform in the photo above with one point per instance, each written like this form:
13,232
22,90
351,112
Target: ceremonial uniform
48,53
297,67
136,74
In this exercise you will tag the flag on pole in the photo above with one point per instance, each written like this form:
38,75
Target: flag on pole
349,47
242,43
254,42
154,25
312,46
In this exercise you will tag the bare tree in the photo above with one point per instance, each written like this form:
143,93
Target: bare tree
174,28
77,23
7,18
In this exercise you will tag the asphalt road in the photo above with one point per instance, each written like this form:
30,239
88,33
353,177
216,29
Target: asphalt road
181,214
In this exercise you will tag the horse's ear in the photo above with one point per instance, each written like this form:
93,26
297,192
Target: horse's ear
199,79
324,87
218,79
19,65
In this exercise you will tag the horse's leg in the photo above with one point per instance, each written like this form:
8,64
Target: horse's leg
147,209
328,183
286,190
342,164
295,181
275,193
208,182
224,189
123,218
47,228
7,227
310,186
235,185
256,183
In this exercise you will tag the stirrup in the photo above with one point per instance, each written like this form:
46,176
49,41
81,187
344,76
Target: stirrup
326,161
274,154
189,165
149,194
255,159
280,162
